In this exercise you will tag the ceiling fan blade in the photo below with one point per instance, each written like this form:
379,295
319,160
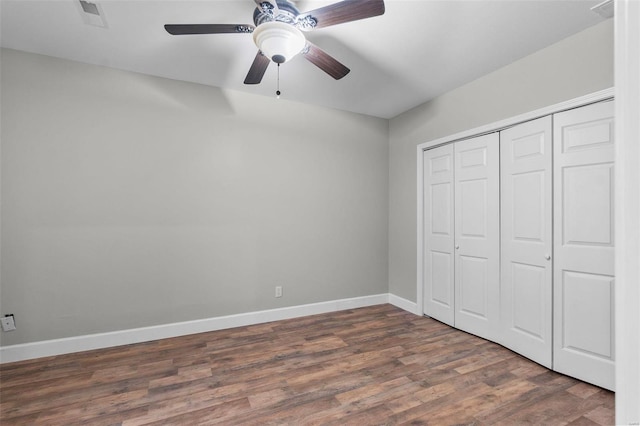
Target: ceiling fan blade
257,70
180,29
269,7
344,11
324,61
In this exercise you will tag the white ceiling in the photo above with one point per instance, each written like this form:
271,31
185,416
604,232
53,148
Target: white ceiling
417,50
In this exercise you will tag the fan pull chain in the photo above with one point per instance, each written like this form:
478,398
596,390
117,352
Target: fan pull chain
278,88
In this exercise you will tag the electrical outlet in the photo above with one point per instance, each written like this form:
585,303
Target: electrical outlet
278,291
8,322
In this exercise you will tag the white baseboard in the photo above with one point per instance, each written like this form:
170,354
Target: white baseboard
54,347
404,304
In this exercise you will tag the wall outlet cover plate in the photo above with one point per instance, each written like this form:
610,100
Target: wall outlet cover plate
8,323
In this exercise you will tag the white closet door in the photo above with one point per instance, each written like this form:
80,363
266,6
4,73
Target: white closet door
526,267
584,245
477,231
438,234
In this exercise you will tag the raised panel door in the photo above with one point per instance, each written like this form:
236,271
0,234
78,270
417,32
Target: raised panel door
438,226
584,244
477,235
526,239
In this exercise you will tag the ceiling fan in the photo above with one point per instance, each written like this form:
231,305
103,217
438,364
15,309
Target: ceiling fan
278,32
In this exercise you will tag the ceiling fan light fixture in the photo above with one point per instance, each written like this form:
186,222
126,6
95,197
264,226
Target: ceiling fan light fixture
279,41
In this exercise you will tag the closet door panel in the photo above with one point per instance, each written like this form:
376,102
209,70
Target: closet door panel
584,244
473,299
587,321
587,213
526,226
477,231
438,267
529,307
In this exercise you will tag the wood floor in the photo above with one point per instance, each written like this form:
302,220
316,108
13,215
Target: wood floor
368,366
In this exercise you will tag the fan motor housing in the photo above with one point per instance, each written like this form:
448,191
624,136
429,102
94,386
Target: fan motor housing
287,13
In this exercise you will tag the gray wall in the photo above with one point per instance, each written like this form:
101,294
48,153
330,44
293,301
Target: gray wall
131,201
576,66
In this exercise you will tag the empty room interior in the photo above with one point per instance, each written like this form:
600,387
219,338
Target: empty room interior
319,212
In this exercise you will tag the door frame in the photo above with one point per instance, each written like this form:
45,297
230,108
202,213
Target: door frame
627,210
497,126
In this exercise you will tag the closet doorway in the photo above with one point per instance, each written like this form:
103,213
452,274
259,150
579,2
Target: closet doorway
516,235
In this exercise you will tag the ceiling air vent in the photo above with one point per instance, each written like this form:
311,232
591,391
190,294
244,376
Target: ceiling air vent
92,14
604,9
